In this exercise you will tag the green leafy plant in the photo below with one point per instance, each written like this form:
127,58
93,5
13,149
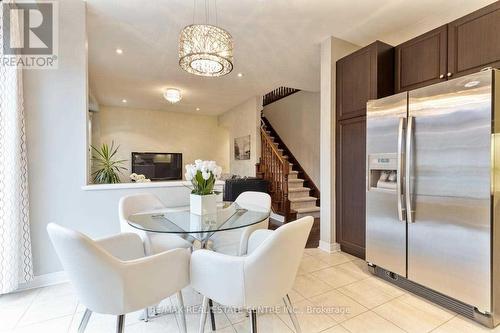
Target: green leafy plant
107,170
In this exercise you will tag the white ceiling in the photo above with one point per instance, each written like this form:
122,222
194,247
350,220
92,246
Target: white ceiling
276,44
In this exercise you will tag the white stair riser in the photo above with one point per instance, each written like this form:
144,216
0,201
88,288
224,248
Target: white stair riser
295,184
298,195
293,175
302,204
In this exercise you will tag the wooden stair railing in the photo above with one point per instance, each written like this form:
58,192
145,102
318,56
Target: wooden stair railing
275,169
277,94
308,182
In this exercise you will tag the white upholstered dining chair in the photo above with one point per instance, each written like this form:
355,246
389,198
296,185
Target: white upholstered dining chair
153,242
237,281
234,242
113,276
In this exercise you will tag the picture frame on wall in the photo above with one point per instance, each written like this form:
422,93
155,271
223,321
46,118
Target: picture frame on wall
242,148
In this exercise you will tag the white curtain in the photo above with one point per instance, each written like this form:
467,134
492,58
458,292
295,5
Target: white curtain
15,244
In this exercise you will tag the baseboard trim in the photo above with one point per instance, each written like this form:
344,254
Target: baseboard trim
44,280
329,247
277,217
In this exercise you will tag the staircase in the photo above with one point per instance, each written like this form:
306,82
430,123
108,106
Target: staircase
293,193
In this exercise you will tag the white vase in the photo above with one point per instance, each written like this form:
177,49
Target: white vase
203,204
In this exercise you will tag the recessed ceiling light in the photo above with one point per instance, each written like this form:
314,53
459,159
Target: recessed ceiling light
172,95
240,74
124,101
197,109
119,51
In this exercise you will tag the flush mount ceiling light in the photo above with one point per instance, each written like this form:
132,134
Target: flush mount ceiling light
172,95
205,49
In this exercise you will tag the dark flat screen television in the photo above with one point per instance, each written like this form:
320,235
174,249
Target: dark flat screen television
158,166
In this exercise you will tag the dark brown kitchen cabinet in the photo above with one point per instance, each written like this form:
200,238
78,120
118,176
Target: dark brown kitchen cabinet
461,47
474,41
363,75
422,60
351,189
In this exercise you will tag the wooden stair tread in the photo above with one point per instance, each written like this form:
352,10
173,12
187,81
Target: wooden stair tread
299,189
307,210
303,199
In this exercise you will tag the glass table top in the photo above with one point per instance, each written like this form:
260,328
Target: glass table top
180,220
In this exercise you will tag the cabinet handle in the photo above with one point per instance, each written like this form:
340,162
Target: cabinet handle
441,76
449,74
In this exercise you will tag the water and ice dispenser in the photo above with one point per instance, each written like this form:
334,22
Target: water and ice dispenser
382,171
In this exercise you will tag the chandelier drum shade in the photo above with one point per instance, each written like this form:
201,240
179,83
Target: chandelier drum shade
205,50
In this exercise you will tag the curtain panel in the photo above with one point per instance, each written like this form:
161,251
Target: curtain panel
15,243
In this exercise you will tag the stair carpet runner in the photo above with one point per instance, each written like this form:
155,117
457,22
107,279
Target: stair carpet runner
300,200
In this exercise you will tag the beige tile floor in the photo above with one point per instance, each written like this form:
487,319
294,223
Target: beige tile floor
333,293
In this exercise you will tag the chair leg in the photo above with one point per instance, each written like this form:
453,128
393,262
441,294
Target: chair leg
253,321
119,323
204,310
212,316
291,313
146,315
182,319
85,321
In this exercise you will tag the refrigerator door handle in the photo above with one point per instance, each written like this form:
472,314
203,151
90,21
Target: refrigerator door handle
401,209
408,152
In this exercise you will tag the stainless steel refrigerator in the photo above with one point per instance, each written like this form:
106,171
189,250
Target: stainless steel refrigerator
433,176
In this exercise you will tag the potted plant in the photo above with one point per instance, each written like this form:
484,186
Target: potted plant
202,175
107,168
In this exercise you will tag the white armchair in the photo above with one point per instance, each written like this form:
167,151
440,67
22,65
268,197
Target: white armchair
153,242
237,281
113,276
234,242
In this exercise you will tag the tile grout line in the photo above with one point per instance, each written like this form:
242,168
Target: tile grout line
406,294
442,324
28,307
337,289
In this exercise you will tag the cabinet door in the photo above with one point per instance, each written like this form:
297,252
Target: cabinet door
421,61
356,82
474,41
351,189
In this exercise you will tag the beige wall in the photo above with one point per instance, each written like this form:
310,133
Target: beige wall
243,119
296,120
195,136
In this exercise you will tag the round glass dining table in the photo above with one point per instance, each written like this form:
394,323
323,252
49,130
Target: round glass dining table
180,221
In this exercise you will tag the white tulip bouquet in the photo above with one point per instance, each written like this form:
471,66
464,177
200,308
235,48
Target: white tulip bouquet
203,174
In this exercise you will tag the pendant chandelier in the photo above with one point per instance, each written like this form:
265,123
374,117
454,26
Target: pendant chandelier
205,49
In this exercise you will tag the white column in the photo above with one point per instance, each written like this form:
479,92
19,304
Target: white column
332,49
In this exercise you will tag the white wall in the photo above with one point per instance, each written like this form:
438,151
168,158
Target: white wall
195,136
55,104
242,120
332,49
296,120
